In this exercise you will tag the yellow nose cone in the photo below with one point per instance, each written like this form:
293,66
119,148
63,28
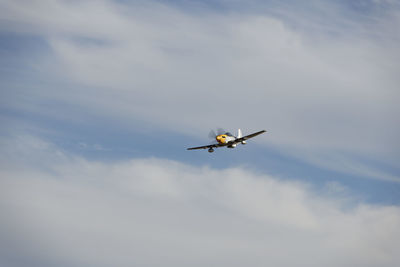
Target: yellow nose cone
220,139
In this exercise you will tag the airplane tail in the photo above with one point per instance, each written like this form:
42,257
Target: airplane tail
239,135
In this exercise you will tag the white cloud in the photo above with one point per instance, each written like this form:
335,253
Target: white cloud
189,72
156,212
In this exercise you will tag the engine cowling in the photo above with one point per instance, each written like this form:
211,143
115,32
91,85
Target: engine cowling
244,142
232,146
210,150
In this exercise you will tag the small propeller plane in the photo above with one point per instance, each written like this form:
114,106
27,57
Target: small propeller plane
226,139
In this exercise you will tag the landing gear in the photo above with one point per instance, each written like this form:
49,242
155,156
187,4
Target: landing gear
211,150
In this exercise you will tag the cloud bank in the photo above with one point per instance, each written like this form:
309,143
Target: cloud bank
153,212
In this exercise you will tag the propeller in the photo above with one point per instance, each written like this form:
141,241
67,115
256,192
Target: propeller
220,131
213,134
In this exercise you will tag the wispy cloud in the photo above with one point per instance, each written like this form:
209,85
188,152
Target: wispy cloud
347,164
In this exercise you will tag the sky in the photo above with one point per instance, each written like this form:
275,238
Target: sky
100,99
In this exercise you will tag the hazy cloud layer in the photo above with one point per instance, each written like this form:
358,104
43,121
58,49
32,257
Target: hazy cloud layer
153,212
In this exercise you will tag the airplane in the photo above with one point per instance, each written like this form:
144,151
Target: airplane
227,139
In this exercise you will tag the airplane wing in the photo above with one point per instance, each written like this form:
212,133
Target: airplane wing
238,140
249,136
205,147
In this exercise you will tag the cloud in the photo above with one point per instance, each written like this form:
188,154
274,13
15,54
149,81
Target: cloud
324,85
75,212
317,88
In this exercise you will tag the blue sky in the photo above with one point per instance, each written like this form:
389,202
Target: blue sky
100,99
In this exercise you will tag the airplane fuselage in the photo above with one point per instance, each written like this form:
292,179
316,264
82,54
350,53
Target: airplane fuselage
229,140
225,138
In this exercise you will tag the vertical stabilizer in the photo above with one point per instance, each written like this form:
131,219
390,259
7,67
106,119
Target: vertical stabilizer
239,133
